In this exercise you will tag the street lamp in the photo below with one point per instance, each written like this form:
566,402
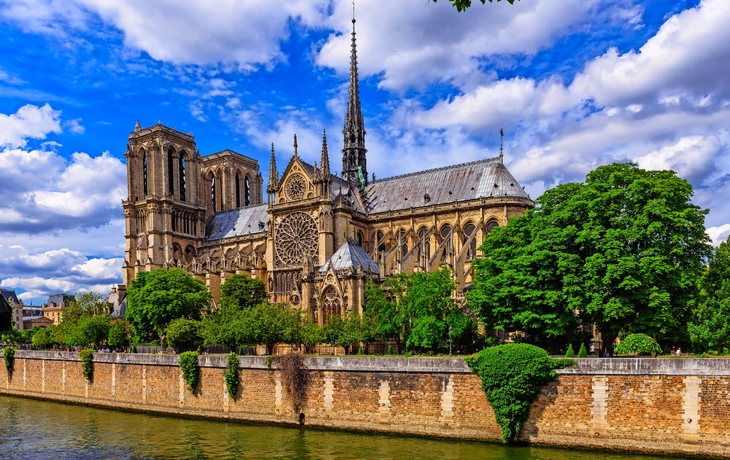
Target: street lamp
450,329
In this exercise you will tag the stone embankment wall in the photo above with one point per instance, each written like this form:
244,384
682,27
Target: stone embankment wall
661,405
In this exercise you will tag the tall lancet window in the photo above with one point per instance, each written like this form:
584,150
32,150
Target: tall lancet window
170,172
183,185
212,193
144,172
238,191
246,192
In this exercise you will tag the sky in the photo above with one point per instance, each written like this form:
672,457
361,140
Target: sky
575,84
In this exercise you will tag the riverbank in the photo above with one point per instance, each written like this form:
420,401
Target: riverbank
650,405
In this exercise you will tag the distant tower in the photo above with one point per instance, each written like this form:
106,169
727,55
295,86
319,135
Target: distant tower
354,152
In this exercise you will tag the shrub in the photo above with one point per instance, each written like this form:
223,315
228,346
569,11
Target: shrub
190,369
512,376
570,353
9,357
295,378
390,350
184,332
582,353
231,375
87,366
637,344
134,349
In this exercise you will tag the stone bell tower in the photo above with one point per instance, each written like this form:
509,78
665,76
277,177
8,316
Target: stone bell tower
163,214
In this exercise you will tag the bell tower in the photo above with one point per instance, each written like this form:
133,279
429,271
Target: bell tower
163,216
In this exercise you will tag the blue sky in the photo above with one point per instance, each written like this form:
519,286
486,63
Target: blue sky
575,84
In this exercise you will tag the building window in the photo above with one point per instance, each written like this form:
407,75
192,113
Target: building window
212,193
469,229
170,172
144,172
238,191
183,185
246,192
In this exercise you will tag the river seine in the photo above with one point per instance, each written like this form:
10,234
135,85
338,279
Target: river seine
31,429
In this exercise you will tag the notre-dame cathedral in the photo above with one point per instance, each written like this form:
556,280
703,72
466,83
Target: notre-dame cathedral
319,237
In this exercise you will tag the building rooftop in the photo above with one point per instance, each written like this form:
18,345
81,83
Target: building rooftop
351,255
237,222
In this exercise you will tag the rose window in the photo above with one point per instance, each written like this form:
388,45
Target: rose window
295,187
296,236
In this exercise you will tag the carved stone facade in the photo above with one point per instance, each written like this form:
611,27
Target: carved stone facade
319,237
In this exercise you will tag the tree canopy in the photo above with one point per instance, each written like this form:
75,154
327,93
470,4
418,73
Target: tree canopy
157,297
243,291
710,328
624,250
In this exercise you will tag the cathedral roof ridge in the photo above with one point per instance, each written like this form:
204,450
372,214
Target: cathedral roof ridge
160,127
226,152
440,168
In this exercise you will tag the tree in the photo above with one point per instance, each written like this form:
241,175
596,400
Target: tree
343,332
119,332
159,296
461,5
638,343
184,332
310,335
710,327
623,250
268,324
89,330
243,291
384,307
225,327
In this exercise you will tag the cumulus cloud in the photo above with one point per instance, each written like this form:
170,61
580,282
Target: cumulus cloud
39,275
416,44
29,121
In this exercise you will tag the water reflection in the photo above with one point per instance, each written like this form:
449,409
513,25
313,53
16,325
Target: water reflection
32,429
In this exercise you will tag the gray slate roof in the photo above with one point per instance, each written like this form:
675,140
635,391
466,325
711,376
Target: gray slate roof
351,255
9,295
462,182
237,222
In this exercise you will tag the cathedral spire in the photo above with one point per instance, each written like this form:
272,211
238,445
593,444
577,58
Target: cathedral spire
325,162
353,153
501,137
296,146
273,173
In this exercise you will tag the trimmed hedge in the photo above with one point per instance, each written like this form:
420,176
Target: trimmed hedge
637,344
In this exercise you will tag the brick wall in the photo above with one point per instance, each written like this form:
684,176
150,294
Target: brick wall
660,405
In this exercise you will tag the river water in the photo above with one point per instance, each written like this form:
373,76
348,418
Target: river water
31,429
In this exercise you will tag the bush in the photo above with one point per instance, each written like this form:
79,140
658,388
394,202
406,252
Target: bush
184,332
512,376
190,369
87,366
582,353
637,344
570,353
390,350
9,357
231,375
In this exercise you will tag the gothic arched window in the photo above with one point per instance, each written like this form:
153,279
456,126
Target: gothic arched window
212,193
379,241
170,172
144,172
469,229
331,305
238,190
448,247
246,192
491,225
425,246
183,184
402,242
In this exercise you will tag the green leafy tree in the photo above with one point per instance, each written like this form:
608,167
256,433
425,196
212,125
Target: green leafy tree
310,335
243,291
637,344
623,250
183,332
157,297
343,332
225,327
462,5
45,336
119,332
268,324
710,327
384,307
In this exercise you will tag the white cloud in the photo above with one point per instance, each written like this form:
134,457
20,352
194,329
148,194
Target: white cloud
417,43
29,121
691,157
719,234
